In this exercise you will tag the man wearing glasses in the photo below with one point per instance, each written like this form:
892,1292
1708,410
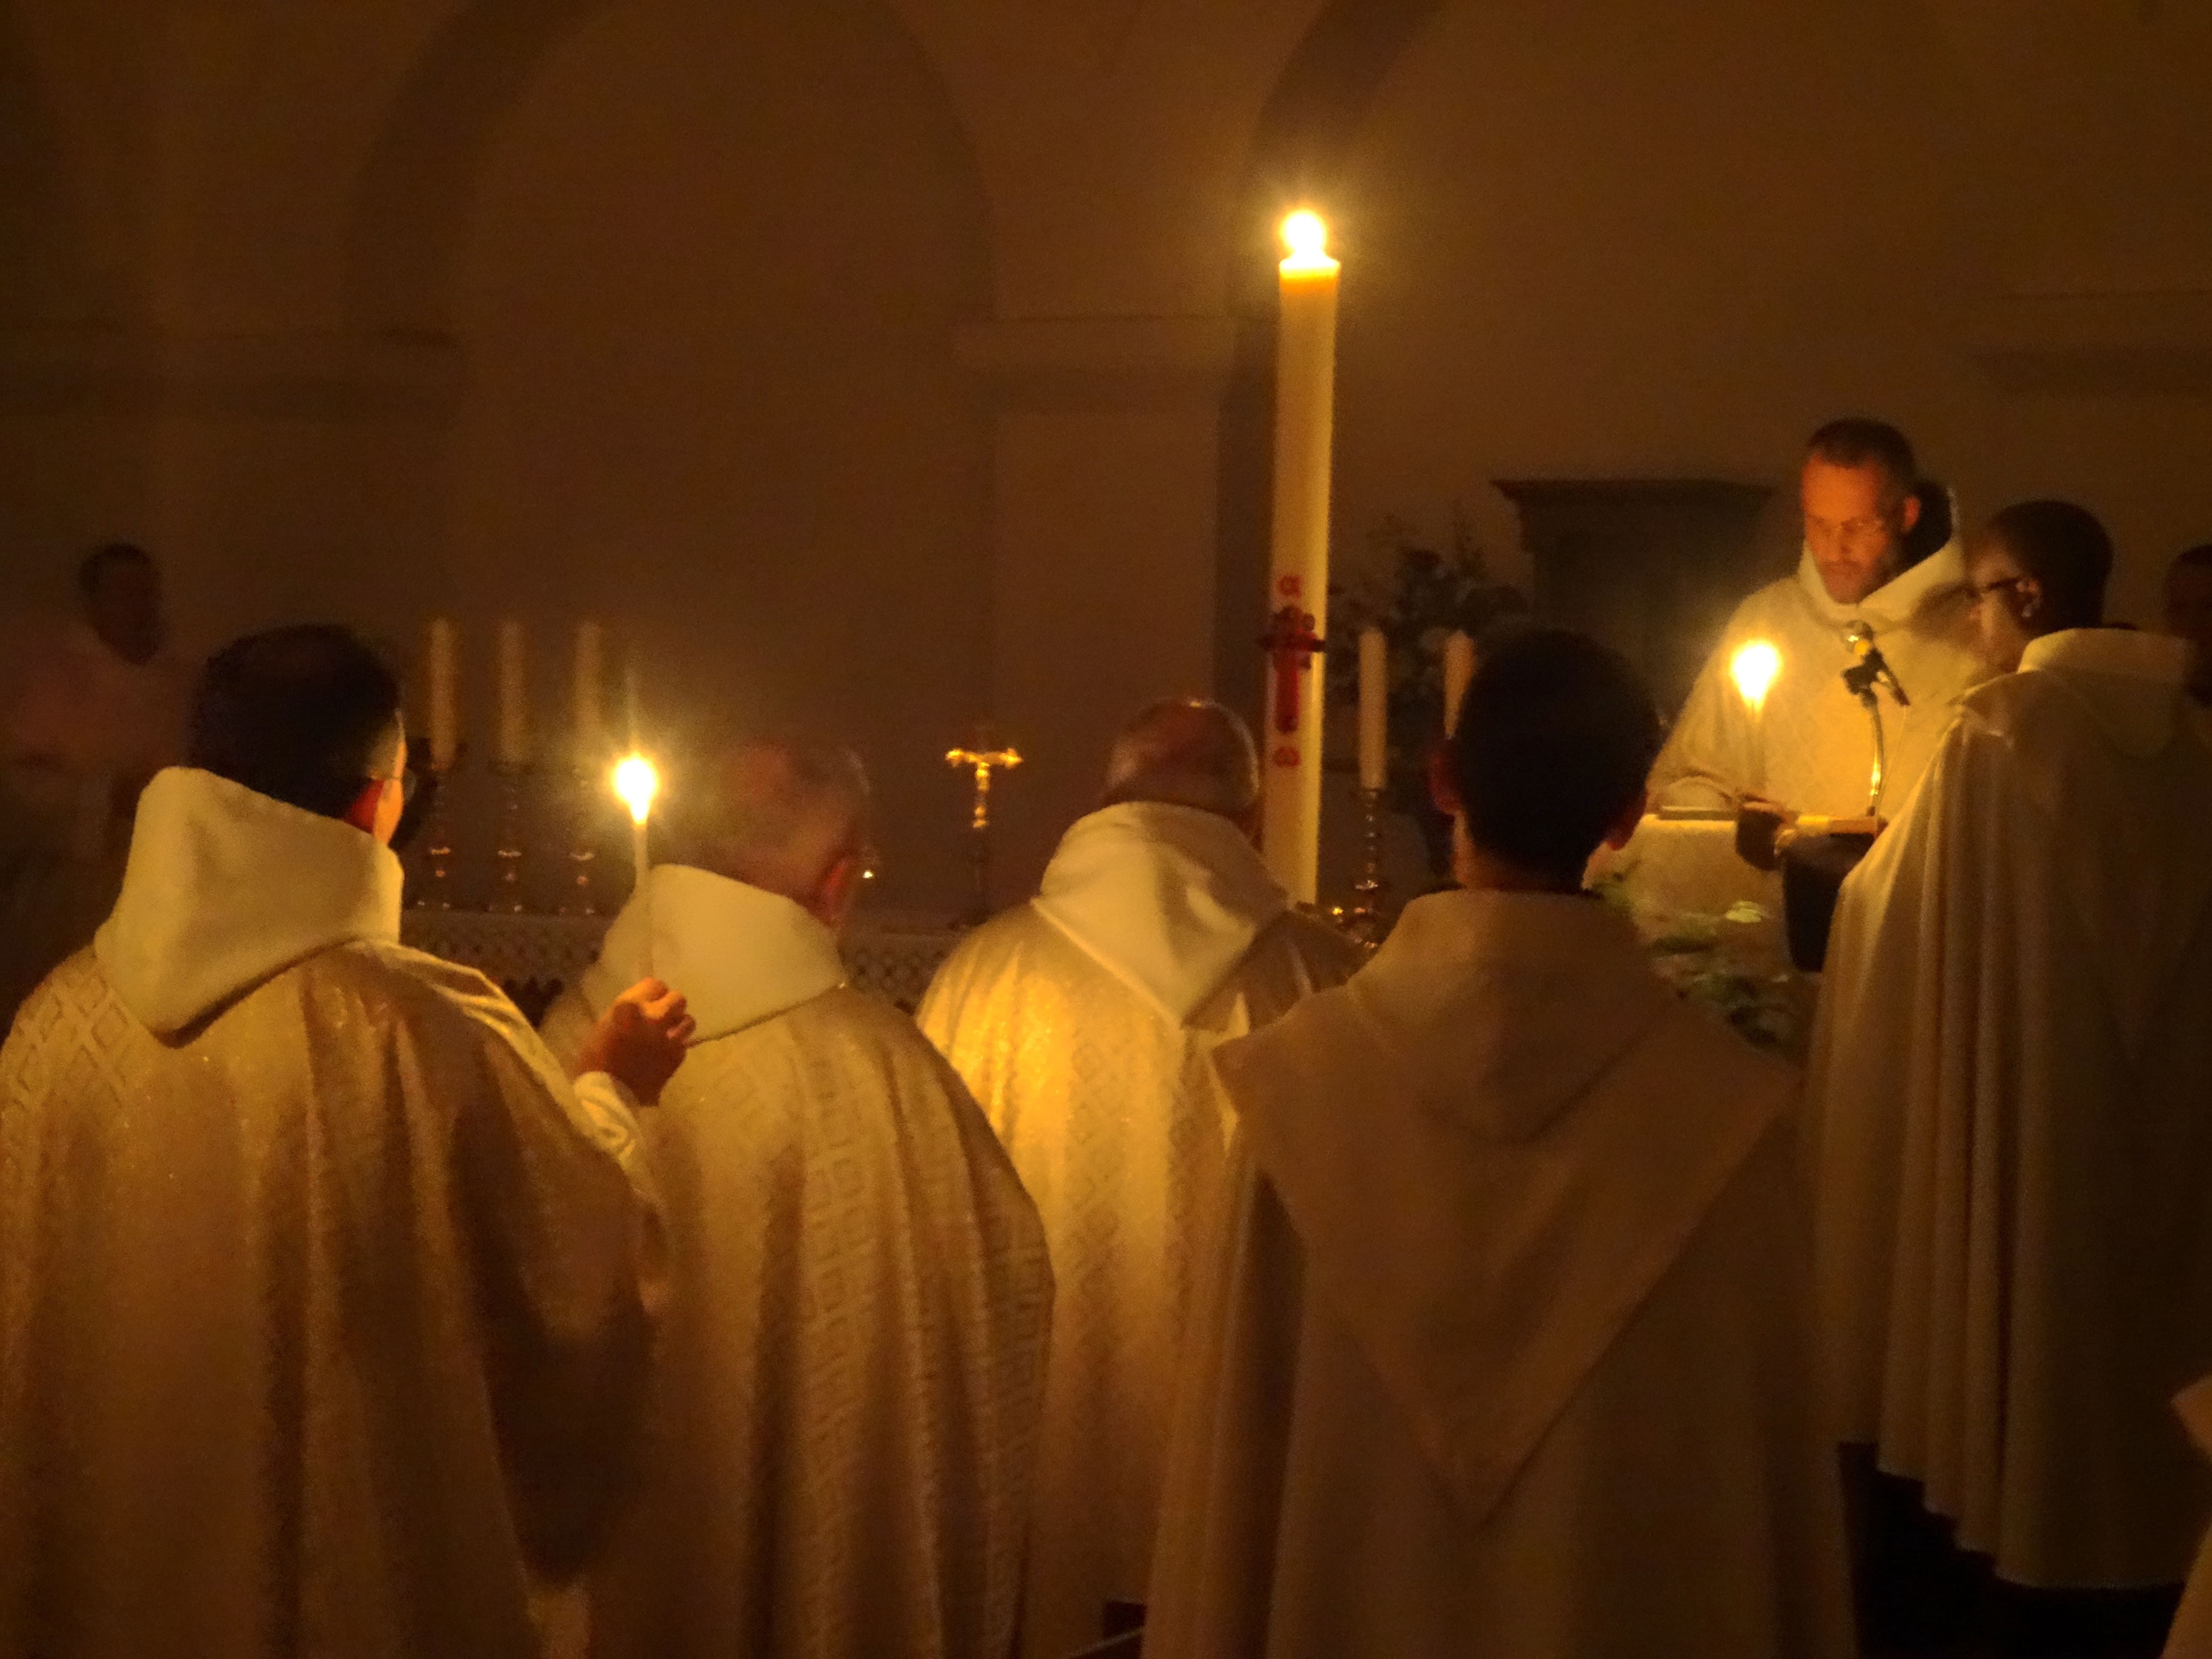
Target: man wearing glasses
2007,1096
1878,555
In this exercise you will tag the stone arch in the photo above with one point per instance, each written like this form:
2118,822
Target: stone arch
412,199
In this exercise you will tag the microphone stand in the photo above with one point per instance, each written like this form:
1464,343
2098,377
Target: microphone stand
1872,669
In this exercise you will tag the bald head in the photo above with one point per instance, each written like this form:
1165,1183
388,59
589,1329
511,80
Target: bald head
788,815
1185,752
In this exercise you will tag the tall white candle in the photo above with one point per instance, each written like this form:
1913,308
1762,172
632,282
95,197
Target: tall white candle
513,748
590,714
444,666
1458,669
1374,709
1297,581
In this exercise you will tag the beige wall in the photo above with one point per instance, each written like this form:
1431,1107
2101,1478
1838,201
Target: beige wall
905,328
706,307
1598,237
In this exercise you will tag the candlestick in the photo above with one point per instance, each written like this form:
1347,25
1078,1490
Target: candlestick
1374,709
437,847
1365,921
1458,672
1297,584
588,715
514,750
443,664
583,854
507,897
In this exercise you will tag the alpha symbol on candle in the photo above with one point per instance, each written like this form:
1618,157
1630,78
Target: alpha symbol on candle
1291,644
1754,669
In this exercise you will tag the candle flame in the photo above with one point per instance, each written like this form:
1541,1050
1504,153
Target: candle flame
636,784
1307,237
1755,668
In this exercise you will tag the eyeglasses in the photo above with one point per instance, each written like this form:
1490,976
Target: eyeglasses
1982,589
408,781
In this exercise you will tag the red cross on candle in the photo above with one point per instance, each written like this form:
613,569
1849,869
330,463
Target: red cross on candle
1291,644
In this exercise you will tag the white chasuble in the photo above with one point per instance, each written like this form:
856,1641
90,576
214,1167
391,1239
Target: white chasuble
324,1321
1084,1022
2012,1092
1502,1345
1811,747
839,1456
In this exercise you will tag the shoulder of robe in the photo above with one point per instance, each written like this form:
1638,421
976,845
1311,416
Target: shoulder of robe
428,987
845,1027
2011,706
61,1005
1327,956
990,947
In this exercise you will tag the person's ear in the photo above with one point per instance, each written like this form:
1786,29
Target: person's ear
367,807
839,890
1443,788
1908,515
1630,816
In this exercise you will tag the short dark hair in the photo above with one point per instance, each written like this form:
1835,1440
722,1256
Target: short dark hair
301,714
1860,440
2066,549
97,564
2198,558
1556,736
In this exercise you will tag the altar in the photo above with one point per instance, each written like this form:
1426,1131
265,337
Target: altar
534,957
1713,924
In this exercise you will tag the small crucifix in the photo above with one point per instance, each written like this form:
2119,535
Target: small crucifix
1291,644
982,757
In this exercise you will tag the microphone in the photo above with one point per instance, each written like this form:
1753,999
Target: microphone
1872,667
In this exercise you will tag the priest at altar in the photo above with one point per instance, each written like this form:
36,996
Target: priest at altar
2009,1088
1501,1346
1083,1021
844,1421
1877,552
324,1296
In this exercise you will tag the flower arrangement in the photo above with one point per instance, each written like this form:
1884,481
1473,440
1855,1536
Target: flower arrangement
1418,594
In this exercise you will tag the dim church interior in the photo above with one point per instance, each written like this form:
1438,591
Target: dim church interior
907,360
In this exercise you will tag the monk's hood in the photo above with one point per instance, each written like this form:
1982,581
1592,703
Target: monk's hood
1168,899
225,888
2133,684
1492,1144
739,954
1507,1006
1896,602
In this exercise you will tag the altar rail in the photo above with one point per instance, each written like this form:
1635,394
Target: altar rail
534,957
